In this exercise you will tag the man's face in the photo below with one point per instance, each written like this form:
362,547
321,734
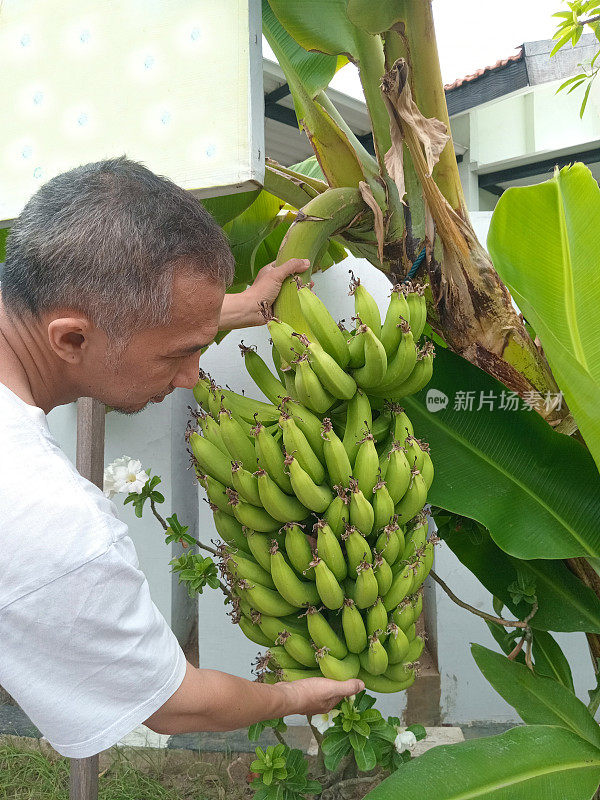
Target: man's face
158,360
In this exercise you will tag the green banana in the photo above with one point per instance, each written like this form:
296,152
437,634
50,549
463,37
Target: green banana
323,635
383,684
236,440
329,549
402,673
365,306
277,362
338,669
397,474
299,674
403,615
401,423
353,626
309,388
356,347
277,503
374,659
397,644
418,378
381,426
415,649
323,325
298,549
389,542
366,464
362,515
366,589
260,547
427,466
377,620
309,424
425,565
316,498
270,457
202,389
247,408
297,592
211,432
333,378
383,506
417,606
359,415
357,548
402,363
397,311
414,453
267,601
330,591
414,499
253,632
282,335
411,632
383,574
230,530
211,459
416,537
262,375
337,513
371,374
240,567
294,441
417,308
339,469
279,658
245,483
217,494
298,647
251,516
399,589
273,626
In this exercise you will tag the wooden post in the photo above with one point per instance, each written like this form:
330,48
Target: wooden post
83,779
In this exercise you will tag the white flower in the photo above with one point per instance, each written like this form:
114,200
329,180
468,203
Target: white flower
324,721
405,740
125,474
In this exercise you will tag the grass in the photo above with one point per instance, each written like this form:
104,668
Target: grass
31,770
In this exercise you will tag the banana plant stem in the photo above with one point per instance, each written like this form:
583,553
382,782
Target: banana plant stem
509,623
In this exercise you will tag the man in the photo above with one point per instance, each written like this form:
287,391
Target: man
114,280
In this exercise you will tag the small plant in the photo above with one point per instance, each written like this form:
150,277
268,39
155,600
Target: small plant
282,774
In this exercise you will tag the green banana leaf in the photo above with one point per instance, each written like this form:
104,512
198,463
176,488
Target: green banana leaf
544,244
224,209
548,659
536,699
326,28
533,762
247,230
564,603
536,491
310,167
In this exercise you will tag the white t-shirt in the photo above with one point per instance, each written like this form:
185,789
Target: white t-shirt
83,649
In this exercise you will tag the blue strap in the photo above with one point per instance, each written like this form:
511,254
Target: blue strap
417,263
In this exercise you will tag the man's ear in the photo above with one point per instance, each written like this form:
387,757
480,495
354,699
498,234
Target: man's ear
69,337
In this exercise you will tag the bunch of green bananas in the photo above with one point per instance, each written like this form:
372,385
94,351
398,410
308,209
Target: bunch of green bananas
319,494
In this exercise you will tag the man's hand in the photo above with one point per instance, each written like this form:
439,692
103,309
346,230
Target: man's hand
242,310
310,696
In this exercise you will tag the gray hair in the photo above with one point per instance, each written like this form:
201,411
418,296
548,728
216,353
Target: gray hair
104,239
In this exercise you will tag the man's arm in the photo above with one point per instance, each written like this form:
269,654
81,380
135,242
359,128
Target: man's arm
242,310
208,700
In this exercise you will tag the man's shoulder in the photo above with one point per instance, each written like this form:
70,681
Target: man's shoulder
52,519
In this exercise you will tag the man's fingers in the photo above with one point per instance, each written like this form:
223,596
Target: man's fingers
352,686
293,266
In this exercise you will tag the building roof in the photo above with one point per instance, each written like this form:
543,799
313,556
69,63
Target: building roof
478,74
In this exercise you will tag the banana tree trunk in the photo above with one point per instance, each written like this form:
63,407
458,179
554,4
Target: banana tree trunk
470,307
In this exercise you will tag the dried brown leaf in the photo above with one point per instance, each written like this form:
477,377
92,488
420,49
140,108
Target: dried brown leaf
368,197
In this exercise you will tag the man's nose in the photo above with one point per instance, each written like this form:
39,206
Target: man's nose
187,376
